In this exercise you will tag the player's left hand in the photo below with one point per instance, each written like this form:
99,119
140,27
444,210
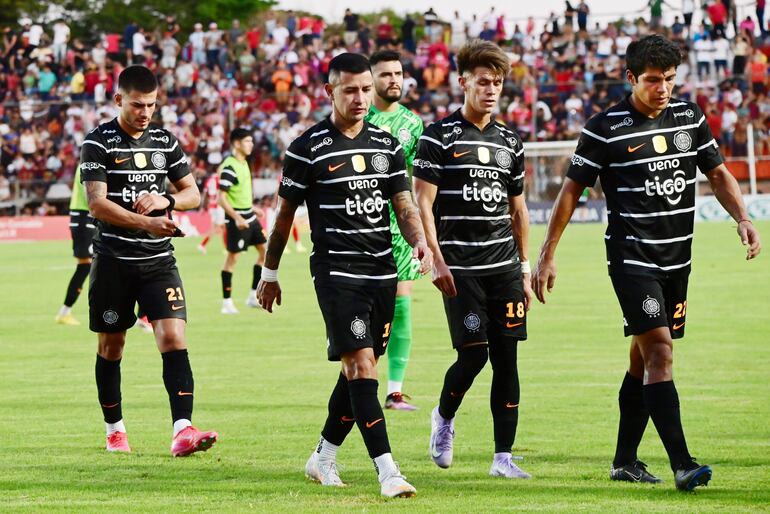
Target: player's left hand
749,236
146,204
527,290
422,253
267,293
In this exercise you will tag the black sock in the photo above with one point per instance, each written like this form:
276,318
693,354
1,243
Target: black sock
256,276
459,378
227,284
662,402
108,387
76,284
633,420
504,396
369,416
340,420
178,379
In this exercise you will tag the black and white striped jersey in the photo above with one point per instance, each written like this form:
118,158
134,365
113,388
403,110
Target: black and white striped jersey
131,168
347,184
476,171
647,169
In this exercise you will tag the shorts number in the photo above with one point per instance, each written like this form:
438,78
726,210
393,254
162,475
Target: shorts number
387,330
174,294
519,313
681,310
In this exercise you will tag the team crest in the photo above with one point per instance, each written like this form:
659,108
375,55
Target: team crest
682,141
380,163
358,162
158,160
110,317
659,143
457,130
651,306
472,322
404,136
483,152
358,327
140,160
503,158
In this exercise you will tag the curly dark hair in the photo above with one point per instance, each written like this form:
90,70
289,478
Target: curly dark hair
652,52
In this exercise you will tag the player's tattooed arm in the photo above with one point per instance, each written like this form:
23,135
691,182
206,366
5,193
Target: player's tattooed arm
408,218
110,212
269,291
280,234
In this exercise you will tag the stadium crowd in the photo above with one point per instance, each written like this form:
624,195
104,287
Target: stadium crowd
268,76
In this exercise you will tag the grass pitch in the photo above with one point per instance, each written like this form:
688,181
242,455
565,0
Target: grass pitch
262,381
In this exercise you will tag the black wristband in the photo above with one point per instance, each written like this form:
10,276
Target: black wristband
171,201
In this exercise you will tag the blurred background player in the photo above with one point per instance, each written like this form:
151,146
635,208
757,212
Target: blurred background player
401,123
216,212
243,228
82,230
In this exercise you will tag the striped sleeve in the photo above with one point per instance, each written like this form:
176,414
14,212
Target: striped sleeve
227,178
178,166
709,156
428,159
93,159
516,176
297,173
398,178
590,155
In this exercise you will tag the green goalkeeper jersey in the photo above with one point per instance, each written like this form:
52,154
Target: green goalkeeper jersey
402,124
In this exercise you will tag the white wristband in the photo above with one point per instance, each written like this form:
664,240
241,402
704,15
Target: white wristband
525,267
269,275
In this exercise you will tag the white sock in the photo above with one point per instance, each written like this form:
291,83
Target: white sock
384,465
502,456
180,425
327,451
227,301
115,427
394,387
64,310
252,293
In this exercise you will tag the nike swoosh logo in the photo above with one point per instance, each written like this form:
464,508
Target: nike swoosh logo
118,161
511,325
346,419
634,477
177,307
110,406
635,148
335,168
434,453
677,327
511,405
182,393
372,423
456,155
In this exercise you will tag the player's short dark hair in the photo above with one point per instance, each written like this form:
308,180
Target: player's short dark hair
384,56
239,133
348,62
137,78
486,54
652,51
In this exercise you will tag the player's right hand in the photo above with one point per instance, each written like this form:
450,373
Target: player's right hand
161,226
442,278
543,277
241,223
267,293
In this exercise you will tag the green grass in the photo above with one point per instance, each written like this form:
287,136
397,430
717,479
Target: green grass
263,381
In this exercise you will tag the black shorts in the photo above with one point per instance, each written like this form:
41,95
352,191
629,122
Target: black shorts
82,230
240,240
117,286
487,307
356,317
649,302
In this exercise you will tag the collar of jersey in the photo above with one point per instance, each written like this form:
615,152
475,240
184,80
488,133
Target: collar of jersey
127,136
458,114
333,128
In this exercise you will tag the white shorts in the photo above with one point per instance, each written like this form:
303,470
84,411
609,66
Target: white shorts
217,216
